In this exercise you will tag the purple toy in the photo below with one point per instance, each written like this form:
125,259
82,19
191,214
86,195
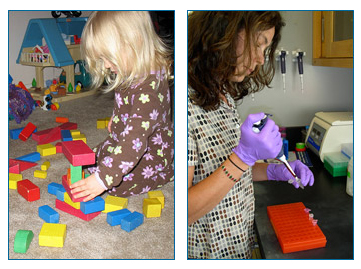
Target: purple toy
21,103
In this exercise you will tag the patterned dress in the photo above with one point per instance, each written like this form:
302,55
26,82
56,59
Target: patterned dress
227,231
138,154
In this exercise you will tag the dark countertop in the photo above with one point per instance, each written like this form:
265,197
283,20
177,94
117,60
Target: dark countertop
328,201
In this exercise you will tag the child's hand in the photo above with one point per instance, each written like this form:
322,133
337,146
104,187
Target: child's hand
87,187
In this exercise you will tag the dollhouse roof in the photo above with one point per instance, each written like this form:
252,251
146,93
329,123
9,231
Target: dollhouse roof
51,30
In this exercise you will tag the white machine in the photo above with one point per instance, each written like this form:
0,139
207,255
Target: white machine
328,131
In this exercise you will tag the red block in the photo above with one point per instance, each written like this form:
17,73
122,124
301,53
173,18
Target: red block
59,147
14,168
75,212
78,153
28,190
24,165
27,131
61,119
67,188
50,135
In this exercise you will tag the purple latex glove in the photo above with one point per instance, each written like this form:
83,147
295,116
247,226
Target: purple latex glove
258,146
279,172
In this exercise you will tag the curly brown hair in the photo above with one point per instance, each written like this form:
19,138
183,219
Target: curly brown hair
212,58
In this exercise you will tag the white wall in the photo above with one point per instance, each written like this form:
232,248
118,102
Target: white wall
18,22
325,88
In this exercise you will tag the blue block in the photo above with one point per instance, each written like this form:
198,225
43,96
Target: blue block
31,157
95,205
53,187
132,221
48,214
60,194
115,217
66,135
14,133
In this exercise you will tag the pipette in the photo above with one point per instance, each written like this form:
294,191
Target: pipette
300,67
257,127
283,68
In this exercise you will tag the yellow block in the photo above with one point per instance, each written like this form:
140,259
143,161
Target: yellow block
70,202
101,123
152,208
13,179
46,149
52,235
40,174
74,132
113,203
79,137
157,194
45,166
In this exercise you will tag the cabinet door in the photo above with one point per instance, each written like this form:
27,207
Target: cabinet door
338,34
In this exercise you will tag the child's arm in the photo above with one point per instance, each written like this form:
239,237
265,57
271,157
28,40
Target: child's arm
87,187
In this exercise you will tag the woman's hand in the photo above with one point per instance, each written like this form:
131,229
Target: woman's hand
279,172
87,187
258,146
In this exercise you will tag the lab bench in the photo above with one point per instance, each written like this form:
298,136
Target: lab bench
328,201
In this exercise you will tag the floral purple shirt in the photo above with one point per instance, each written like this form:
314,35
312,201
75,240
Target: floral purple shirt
138,154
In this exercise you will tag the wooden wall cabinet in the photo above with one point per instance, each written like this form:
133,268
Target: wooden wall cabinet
333,38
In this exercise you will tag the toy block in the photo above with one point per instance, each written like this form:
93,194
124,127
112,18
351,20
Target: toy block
45,166
40,174
66,135
74,132
27,131
48,214
28,190
152,208
52,235
53,187
60,193
23,165
70,202
68,191
107,119
13,180
78,153
75,212
95,205
157,194
80,137
69,126
61,119
76,173
59,147
114,218
31,157
132,221
46,149
113,203
14,133
14,168
22,240
101,124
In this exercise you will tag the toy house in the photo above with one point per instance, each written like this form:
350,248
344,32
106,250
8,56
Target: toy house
62,47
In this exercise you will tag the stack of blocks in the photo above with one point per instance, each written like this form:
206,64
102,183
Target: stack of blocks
153,205
102,123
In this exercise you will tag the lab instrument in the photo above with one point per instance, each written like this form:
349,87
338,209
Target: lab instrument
328,131
257,127
299,57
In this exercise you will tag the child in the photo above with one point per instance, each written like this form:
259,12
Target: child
122,48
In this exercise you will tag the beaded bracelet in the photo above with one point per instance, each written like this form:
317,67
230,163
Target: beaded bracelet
229,175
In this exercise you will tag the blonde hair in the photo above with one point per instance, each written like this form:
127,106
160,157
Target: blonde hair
127,40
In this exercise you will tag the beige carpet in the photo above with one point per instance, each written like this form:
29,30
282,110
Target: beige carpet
84,240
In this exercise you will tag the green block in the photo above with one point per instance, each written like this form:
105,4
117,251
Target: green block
22,240
75,173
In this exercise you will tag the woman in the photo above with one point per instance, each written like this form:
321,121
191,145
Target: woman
226,61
